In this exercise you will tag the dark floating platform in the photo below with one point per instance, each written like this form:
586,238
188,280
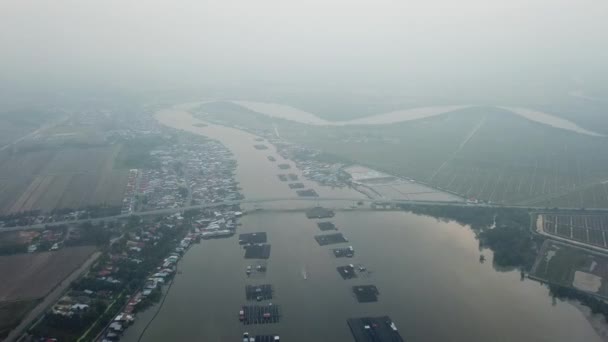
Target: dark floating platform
261,338
260,147
366,293
307,193
296,186
258,292
256,270
330,239
284,166
319,213
259,237
292,177
283,178
259,314
260,251
324,226
271,158
374,329
347,252
347,272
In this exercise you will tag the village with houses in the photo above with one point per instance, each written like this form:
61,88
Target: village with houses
123,254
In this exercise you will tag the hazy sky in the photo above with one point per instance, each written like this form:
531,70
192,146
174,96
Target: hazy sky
152,43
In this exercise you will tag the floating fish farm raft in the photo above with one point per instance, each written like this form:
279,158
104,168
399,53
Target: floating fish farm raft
283,178
330,239
259,314
325,226
374,329
259,251
263,338
307,193
366,293
347,272
319,213
251,238
346,252
258,292
260,147
284,166
271,158
296,186
292,177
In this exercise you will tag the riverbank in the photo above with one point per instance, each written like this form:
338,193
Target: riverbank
422,267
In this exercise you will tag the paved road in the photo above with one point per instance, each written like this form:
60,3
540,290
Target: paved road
50,299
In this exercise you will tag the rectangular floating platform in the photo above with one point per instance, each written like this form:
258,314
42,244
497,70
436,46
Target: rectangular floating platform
271,158
366,293
330,239
259,251
374,329
257,270
292,177
283,178
346,252
284,166
258,292
319,213
307,193
347,272
263,338
259,237
326,225
260,147
259,314
296,186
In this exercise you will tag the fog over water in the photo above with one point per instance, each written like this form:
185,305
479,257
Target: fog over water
97,73
431,282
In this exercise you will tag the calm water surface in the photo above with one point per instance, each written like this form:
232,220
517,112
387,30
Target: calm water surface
427,271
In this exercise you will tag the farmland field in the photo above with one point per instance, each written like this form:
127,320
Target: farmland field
565,265
32,276
589,228
11,313
479,153
61,178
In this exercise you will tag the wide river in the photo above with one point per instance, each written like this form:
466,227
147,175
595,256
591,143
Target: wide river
428,273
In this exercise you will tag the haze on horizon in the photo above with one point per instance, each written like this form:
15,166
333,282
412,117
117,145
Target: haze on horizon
467,49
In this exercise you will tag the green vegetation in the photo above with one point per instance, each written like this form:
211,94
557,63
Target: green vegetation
135,153
70,328
481,153
108,314
505,231
340,106
131,276
557,265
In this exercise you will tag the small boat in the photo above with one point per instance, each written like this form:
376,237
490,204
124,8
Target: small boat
304,274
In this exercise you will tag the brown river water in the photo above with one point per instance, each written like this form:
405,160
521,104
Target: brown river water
428,273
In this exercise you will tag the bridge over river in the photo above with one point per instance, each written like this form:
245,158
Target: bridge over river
336,203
